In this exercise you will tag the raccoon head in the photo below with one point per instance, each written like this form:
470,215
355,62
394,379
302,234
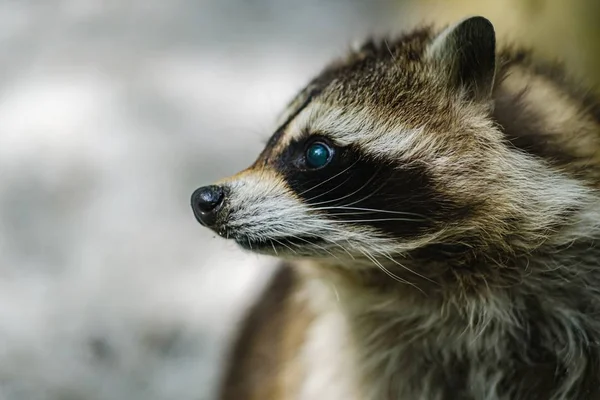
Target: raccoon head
389,152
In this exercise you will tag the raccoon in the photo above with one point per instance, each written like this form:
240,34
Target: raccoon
435,199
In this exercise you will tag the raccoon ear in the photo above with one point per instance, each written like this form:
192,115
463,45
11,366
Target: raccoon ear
467,54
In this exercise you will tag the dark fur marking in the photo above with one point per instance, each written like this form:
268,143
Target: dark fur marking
521,128
556,74
265,156
359,181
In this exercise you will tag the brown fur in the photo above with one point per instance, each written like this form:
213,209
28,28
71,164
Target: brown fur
261,362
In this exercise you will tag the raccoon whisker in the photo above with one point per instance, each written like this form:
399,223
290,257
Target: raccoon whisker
357,191
329,240
378,220
373,210
289,234
285,245
334,238
329,191
388,272
329,179
346,250
319,246
353,213
299,226
272,220
406,268
373,193
353,193
274,249
333,242
329,228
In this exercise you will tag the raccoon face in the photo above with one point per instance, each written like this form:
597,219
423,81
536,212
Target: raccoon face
387,151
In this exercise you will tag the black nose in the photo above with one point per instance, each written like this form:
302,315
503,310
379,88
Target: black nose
206,201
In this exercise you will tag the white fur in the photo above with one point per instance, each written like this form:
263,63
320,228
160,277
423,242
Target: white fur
359,127
327,354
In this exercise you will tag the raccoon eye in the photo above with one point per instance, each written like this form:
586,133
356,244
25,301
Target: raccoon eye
318,155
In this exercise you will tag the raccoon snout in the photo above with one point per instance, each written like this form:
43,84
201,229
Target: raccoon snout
206,203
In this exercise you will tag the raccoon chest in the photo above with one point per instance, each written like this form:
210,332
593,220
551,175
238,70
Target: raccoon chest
328,356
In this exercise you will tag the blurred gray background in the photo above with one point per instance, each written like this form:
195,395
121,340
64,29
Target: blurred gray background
111,113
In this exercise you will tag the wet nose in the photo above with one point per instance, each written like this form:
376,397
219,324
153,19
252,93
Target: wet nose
206,202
